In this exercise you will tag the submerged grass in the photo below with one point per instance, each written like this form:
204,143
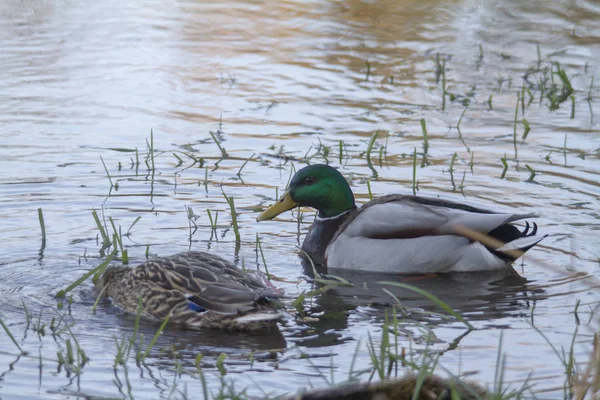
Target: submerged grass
368,154
425,140
96,272
42,227
262,255
386,355
415,184
10,335
504,167
105,240
234,221
144,355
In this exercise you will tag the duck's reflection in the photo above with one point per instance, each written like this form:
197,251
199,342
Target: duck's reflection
176,340
481,296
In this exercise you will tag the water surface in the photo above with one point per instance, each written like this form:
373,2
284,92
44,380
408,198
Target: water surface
276,82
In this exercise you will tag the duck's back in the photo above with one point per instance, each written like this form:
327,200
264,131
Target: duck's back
410,234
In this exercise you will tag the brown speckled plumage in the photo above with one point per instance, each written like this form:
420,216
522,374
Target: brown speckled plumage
227,297
428,388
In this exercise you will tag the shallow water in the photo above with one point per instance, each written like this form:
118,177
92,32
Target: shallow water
275,82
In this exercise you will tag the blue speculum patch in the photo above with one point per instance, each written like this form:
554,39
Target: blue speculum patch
195,307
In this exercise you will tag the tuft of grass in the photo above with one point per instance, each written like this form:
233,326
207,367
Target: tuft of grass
460,136
480,57
368,65
531,97
556,95
221,364
531,173
262,255
142,357
462,183
150,155
499,370
107,173
527,128
105,240
462,114
451,170
440,72
588,380
415,184
378,360
118,240
515,125
523,99
239,173
135,221
425,141
224,153
198,363
505,167
206,179
96,272
234,220
565,149
213,224
589,101
136,325
10,335
179,160
369,189
566,359
298,303
369,149
191,217
137,161
472,162
98,300
43,227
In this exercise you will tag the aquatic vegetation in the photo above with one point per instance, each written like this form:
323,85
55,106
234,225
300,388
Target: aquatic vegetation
366,109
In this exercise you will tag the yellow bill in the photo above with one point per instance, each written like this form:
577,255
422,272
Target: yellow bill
284,204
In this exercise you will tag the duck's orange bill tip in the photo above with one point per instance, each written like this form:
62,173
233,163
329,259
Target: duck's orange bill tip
284,204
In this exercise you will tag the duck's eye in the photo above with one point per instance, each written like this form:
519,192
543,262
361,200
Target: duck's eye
308,180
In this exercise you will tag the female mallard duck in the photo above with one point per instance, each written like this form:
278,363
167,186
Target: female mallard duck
397,233
426,387
197,290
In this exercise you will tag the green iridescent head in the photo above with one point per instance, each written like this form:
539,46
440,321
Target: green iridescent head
318,186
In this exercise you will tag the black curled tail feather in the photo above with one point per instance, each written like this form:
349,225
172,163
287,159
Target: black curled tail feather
507,233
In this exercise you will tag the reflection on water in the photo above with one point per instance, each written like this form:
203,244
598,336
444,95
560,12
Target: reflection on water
281,83
482,296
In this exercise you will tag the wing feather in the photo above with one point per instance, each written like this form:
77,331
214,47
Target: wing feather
206,280
405,218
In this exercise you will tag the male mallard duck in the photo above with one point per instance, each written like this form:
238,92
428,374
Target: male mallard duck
199,290
397,233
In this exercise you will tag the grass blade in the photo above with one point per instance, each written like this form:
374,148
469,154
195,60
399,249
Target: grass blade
154,339
43,227
10,335
96,271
